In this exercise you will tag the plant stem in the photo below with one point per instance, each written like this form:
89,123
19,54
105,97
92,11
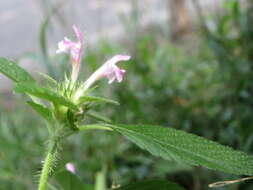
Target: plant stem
47,166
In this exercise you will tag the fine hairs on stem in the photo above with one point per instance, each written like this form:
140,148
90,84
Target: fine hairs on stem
48,163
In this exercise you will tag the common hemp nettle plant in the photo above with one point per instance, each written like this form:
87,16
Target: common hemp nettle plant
66,105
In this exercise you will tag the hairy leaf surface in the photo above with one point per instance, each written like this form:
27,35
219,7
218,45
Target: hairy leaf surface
189,148
14,72
44,93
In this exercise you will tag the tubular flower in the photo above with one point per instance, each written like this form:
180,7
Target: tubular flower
109,70
75,50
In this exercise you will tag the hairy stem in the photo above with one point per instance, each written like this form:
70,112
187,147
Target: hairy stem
47,165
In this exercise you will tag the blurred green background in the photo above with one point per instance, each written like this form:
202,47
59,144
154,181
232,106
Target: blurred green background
192,73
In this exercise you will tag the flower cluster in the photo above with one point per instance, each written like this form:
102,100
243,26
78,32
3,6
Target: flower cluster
108,70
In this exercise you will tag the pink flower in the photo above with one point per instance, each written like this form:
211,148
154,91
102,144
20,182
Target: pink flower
70,167
109,70
75,50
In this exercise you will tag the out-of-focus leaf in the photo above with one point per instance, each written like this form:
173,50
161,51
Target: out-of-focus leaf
14,72
41,110
151,185
44,93
69,181
84,99
189,148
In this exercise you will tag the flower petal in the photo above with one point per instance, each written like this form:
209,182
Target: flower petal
75,50
117,58
70,167
78,33
108,70
65,45
119,74
111,78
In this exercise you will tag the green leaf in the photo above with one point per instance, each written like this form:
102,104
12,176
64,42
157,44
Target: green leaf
151,185
14,72
69,181
188,148
98,116
84,99
44,93
41,110
48,78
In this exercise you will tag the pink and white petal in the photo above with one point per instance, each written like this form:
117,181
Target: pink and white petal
75,54
67,41
108,70
111,78
70,167
64,45
78,33
119,74
117,58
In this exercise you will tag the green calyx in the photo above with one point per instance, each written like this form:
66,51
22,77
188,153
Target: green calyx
58,104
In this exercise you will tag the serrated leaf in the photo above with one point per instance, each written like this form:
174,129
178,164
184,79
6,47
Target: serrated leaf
151,185
189,148
44,93
69,181
84,99
41,110
14,72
